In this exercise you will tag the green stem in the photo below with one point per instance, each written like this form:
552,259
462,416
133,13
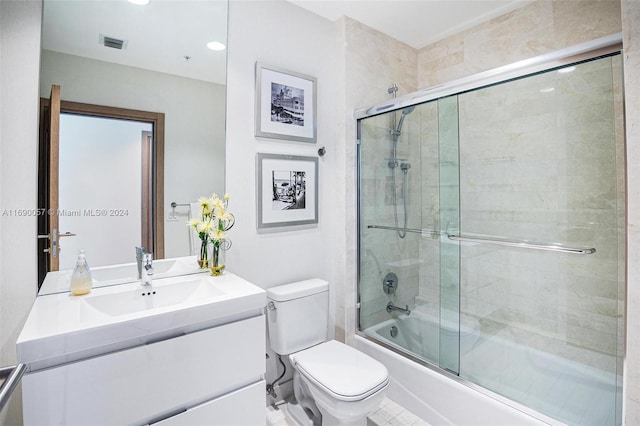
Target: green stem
203,250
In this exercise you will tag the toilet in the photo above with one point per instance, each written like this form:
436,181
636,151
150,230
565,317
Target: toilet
333,384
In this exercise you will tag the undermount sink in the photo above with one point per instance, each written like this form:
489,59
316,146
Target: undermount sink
145,299
63,328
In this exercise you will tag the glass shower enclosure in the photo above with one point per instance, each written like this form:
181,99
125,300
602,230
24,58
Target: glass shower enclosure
491,237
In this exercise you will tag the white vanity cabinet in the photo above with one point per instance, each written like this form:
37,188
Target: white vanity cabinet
212,370
199,373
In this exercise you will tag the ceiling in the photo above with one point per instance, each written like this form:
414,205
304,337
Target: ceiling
159,35
170,35
414,22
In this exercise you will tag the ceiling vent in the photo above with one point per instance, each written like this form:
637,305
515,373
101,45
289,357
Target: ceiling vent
113,42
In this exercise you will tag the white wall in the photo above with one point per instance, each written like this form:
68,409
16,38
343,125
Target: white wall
19,62
282,35
194,124
284,255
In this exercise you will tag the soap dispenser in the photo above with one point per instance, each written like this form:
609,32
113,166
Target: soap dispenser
81,277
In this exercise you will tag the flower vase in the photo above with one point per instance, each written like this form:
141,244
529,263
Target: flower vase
203,258
217,260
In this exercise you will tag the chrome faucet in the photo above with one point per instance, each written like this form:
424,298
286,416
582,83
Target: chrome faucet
391,307
147,272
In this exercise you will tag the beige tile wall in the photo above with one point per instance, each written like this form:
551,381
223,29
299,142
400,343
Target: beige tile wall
540,27
373,63
541,166
384,251
631,42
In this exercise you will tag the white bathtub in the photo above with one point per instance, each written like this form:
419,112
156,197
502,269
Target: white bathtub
430,333
436,397
576,393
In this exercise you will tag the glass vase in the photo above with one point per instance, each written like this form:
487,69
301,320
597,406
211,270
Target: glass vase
217,260
203,257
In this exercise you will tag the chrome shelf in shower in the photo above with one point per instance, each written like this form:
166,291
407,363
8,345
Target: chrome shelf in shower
494,240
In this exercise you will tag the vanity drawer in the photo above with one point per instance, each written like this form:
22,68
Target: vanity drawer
244,407
138,385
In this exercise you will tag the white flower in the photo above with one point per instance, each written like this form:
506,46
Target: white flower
225,216
214,218
206,204
217,204
217,235
205,226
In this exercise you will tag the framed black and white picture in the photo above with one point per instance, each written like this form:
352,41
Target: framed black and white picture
287,190
285,104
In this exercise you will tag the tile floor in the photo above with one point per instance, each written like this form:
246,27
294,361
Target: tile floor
388,414
392,414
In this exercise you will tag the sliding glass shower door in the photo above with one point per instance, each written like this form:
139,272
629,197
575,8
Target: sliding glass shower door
492,238
541,163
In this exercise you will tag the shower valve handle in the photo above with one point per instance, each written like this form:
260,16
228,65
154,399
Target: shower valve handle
390,283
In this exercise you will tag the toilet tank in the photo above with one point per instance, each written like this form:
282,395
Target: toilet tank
297,315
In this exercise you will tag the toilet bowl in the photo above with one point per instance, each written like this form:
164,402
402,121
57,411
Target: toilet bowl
334,384
344,383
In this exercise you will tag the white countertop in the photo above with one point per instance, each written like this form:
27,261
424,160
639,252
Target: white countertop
62,328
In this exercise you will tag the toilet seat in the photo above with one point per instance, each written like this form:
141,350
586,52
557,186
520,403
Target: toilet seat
341,371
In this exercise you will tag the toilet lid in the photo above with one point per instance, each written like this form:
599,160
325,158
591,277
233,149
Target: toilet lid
342,371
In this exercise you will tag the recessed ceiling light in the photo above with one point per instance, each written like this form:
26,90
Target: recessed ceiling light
139,2
547,90
566,70
216,45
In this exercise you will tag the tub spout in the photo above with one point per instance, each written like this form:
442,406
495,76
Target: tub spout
391,307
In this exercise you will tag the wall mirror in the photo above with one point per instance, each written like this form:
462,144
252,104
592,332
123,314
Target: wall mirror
153,58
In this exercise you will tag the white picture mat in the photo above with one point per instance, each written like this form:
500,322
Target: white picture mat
287,217
266,125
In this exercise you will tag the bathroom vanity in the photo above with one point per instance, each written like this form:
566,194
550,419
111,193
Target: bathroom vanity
190,352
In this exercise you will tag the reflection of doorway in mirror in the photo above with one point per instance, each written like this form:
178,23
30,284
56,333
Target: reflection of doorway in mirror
101,187
48,177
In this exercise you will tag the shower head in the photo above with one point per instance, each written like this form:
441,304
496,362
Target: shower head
408,110
405,111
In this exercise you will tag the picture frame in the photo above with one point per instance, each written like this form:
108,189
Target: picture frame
287,190
285,105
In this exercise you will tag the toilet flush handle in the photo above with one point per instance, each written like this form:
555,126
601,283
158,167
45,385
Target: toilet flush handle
271,306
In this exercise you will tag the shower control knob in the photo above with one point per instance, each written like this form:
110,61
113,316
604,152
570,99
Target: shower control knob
390,283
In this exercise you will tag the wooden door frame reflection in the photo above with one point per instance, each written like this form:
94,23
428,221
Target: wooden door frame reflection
156,119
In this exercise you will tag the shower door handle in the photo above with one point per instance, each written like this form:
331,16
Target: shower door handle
523,244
